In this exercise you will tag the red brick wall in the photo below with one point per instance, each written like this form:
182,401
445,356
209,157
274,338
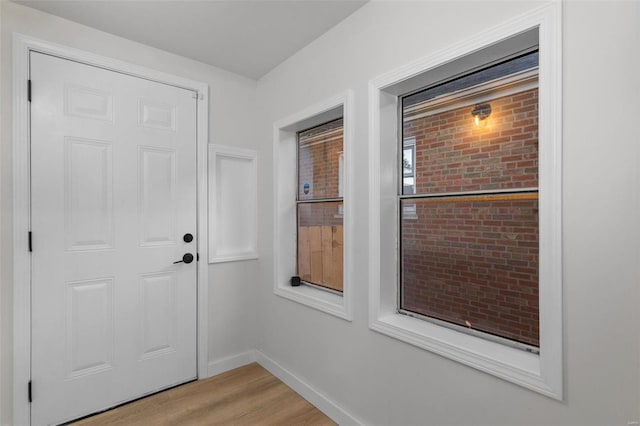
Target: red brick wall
318,165
475,262
452,154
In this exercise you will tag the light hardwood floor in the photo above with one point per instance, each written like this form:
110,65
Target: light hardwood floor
248,395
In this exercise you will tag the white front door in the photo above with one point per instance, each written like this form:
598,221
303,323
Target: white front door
113,193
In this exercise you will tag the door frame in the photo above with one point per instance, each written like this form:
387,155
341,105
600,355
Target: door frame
22,46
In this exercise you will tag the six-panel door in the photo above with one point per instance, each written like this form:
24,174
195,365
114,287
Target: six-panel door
113,164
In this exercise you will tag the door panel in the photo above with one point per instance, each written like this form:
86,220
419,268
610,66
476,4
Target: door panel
113,189
157,201
89,327
88,190
158,304
88,102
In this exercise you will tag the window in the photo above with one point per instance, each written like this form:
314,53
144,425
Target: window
409,166
312,222
409,176
320,206
465,201
469,255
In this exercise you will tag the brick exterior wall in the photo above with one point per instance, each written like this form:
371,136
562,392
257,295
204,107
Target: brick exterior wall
453,155
474,261
318,158
318,166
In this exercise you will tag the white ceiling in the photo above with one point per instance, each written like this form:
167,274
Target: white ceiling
248,37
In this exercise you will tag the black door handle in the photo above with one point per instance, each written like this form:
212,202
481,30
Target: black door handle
187,258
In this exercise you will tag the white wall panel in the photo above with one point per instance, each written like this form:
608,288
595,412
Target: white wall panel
233,204
386,382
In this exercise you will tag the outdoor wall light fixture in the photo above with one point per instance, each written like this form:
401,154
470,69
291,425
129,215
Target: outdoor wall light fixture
481,112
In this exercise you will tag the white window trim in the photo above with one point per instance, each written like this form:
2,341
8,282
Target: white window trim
218,253
285,191
22,45
542,373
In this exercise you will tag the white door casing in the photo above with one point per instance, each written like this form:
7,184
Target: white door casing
113,192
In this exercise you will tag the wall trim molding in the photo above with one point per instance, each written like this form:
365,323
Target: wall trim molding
22,46
319,400
307,391
222,365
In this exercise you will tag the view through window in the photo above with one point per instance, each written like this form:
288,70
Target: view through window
320,205
468,202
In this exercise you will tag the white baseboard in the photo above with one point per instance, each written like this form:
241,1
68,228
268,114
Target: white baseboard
320,401
229,363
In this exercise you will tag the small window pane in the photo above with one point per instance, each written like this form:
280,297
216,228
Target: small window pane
319,153
473,261
409,166
320,244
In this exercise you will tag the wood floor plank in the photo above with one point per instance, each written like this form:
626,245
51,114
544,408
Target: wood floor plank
248,395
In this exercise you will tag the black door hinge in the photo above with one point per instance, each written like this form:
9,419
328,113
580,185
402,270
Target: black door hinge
29,90
197,257
30,242
30,393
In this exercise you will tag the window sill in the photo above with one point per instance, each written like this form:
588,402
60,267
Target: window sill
511,364
325,301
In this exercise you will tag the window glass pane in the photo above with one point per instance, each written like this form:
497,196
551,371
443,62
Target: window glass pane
473,261
320,244
319,152
409,166
453,153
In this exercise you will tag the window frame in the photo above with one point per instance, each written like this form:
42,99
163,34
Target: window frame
339,198
285,148
509,85
541,372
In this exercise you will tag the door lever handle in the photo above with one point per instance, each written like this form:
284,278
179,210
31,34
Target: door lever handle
187,258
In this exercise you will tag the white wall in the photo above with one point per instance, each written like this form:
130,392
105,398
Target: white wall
387,382
378,379
232,100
